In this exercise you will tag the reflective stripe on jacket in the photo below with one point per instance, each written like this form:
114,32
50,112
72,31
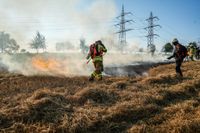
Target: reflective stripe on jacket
97,58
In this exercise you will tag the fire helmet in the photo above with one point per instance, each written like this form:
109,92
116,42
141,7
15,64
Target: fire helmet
175,41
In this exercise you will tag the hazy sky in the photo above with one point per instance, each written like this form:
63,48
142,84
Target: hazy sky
178,18
58,20
69,20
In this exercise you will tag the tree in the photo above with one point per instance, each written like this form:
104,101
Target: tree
167,48
141,50
3,41
12,46
59,46
152,49
194,44
23,50
83,47
8,44
39,42
62,46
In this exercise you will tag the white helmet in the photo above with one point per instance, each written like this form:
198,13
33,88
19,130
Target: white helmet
175,41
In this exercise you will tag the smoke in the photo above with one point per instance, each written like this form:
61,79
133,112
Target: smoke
120,59
58,21
71,64
45,64
62,21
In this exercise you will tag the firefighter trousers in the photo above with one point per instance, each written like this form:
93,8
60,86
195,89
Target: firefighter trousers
178,67
97,74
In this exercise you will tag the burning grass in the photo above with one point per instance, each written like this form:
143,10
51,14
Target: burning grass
156,103
48,66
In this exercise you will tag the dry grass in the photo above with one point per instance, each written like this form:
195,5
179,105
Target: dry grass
157,103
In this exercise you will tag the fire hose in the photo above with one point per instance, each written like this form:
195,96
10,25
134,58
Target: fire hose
89,60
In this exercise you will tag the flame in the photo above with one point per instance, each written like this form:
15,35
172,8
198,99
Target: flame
48,65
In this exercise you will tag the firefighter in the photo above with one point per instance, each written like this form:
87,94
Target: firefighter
96,53
191,52
179,54
198,53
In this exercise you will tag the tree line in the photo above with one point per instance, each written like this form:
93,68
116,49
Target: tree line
168,47
10,45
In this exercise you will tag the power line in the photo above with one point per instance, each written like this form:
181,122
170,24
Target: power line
168,30
174,32
142,23
123,30
150,37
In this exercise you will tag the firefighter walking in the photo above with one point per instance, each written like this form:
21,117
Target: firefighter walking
179,54
96,53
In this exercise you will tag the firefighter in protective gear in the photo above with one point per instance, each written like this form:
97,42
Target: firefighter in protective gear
96,54
191,52
179,54
198,53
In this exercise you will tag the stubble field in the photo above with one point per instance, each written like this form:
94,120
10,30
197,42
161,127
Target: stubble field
159,102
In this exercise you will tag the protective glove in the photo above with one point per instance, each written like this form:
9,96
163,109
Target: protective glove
88,57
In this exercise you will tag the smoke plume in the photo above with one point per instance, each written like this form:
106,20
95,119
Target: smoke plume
71,64
57,20
61,21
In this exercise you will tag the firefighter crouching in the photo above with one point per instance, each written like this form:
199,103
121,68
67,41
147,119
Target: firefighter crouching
96,53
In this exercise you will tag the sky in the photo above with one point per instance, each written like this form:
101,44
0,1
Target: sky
70,20
178,19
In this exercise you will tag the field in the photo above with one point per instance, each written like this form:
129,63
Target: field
156,103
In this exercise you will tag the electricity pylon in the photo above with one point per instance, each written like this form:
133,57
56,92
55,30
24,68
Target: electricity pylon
150,37
123,30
